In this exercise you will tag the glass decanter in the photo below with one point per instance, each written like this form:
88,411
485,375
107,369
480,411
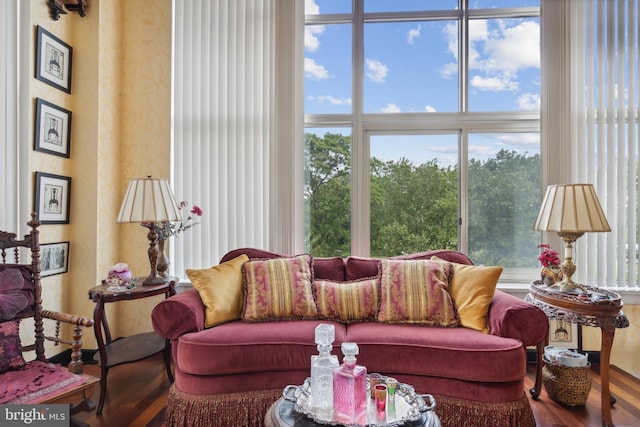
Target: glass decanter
322,367
350,386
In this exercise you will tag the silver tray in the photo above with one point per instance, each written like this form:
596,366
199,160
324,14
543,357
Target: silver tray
407,407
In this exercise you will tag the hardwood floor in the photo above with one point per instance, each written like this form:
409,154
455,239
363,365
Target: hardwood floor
137,392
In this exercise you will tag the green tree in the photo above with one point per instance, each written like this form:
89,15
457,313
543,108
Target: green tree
504,197
328,194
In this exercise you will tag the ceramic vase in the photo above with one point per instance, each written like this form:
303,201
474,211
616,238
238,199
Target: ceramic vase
551,274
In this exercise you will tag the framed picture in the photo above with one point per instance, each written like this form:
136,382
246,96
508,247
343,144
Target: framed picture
54,258
53,197
53,129
564,334
53,61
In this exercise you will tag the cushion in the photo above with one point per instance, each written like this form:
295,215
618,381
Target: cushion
10,353
472,288
220,288
16,292
36,382
278,289
347,301
416,291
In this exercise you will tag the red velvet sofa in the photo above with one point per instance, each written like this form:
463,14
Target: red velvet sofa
232,372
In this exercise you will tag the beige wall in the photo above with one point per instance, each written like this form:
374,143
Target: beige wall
120,101
121,108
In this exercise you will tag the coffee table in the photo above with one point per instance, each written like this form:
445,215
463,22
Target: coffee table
282,414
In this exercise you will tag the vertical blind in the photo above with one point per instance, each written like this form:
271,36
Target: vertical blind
9,107
606,145
222,92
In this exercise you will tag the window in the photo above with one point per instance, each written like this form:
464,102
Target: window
422,128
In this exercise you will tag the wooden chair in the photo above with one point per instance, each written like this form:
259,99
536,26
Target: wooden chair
36,381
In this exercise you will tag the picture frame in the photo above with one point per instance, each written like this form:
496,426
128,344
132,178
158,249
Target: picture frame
52,198
52,134
563,333
53,60
54,258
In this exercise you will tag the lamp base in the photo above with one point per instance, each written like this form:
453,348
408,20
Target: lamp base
151,281
569,285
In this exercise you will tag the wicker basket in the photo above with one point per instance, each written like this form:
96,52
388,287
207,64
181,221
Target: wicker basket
566,384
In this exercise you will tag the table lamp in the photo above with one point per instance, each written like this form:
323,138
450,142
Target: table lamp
150,201
570,210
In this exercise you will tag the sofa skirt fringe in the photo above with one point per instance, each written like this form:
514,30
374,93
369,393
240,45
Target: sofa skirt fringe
249,409
221,410
466,413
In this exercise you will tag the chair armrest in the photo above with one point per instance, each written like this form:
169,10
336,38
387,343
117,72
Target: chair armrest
76,365
68,318
179,314
512,317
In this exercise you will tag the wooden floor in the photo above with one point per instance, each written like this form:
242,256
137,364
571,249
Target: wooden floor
137,392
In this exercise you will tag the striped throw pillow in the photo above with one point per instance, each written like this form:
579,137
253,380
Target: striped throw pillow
347,301
416,291
278,289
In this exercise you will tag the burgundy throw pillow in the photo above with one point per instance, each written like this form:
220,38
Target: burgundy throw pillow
16,292
10,354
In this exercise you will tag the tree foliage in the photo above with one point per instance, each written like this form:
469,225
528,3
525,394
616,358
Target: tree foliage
415,207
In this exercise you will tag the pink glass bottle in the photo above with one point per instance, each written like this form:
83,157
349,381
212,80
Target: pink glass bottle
350,386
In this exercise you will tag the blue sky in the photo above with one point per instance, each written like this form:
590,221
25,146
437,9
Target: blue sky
413,67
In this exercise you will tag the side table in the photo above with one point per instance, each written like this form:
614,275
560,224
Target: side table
597,308
129,349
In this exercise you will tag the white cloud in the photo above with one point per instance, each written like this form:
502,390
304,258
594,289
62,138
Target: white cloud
314,70
311,40
514,48
331,100
414,34
529,102
390,108
449,70
520,140
429,109
376,70
494,84
497,51
483,151
311,8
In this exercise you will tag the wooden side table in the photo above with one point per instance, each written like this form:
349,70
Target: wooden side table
129,349
598,308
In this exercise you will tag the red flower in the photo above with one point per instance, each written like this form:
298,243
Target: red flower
195,210
548,256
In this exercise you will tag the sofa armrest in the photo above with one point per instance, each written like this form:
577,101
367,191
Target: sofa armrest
512,317
179,314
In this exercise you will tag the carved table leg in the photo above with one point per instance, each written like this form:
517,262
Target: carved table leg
537,388
607,399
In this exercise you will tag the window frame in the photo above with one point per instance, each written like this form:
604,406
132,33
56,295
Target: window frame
364,125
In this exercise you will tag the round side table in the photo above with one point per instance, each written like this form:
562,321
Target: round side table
597,308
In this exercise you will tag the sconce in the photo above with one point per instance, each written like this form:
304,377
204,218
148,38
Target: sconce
57,8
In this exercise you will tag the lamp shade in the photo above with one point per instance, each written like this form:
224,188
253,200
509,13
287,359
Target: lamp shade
149,199
571,208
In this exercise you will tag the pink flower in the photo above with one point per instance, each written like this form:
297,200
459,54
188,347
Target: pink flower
168,229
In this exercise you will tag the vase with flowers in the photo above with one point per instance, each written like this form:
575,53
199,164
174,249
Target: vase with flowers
550,271
167,229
